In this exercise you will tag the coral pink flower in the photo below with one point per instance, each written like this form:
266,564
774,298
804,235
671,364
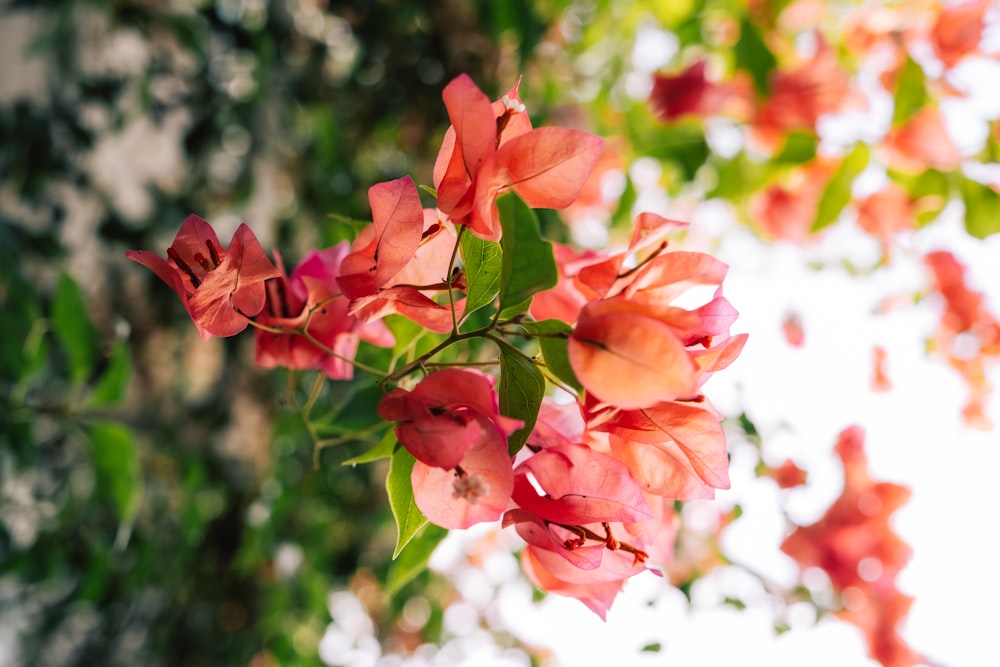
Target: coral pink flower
309,298
922,142
887,212
787,475
490,148
219,288
958,30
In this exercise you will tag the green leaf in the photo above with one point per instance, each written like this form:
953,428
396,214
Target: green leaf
383,450
837,193
752,55
413,561
73,328
527,266
982,209
482,261
799,147
112,386
553,340
119,476
911,92
409,518
931,187
520,391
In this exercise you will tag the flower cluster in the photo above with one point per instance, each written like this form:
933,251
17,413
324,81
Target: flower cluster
592,493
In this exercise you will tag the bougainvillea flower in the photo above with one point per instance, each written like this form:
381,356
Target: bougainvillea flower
787,475
477,489
793,330
880,378
627,354
675,450
799,96
692,93
856,527
436,421
308,300
922,142
878,613
490,149
958,30
787,210
580,486
856,546
885,213
389,244
220,288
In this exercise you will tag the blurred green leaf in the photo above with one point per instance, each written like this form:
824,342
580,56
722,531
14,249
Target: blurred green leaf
911,92
483,260
116,460
982,208
837,193
752,55
413,560
112,386
528,266
799,147
520,391
73,328
409,518
554,348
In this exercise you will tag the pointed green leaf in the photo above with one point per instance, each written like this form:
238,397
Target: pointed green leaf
528,265
482,261
73,328
413,560
837,193
799,147
383,450
982,209
112,386
116,461
409,518
520,391
553,336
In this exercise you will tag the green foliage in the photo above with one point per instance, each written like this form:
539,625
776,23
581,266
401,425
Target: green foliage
528,266
553,338
982,208
520,392
409,518
911,92
119,474
73,328
753,56
483,266
837,193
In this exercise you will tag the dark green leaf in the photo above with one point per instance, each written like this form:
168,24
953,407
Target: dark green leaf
527,266
753,56
837,193
982,209
413,561
73,328
520,391
553,338
409,518
112,386
482,261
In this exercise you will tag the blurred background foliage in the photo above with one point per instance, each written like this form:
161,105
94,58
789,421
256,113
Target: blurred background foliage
159,502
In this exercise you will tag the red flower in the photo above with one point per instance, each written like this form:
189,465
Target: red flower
309,298
491,148
219,288
692,93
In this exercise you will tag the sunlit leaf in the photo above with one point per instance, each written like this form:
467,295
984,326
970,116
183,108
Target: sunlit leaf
982,209
753,55
409,518
528,265
383,450
911,92
520,391
837,193
73,328
482,261
799,147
